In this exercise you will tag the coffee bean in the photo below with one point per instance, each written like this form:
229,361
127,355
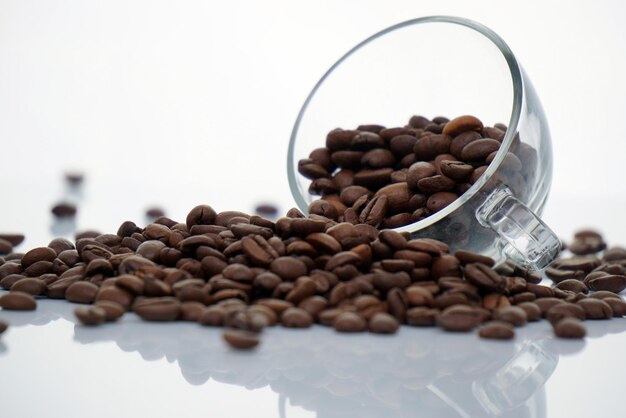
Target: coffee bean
38,254
157,309
611,283
288,268
462,124
514,315
466,257
479,149
30,285
5,247
241,339
456,170
617,305
418,171
436,183
533,312
421,317
349,322
595,308
375,211
64,210
18,301
112,310
446,265
570,328
459,318
296,318
92,315
573,285
428,147
383,323
565,310
14,239
440,200
497,330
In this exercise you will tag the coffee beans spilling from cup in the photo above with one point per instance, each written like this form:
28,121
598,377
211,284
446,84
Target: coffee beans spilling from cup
246,273
390,177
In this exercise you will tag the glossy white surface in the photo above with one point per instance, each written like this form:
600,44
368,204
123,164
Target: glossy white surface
180,103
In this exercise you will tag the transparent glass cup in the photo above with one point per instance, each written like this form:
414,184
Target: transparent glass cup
448,66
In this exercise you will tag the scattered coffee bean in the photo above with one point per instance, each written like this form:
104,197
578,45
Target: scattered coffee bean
497,330
349,322
241,339
18,301
514,315
570,328
64,210
92,315
383,323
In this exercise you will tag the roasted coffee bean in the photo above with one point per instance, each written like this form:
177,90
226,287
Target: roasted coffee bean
428,147
418,171
296,318
421,317
5,247
572,285
374,211
14,239
565,310
112,310
459,318
570,328
157,309
479,149
38,254
533,312
241,339
462,124
18,301
446,265
595,308
617,305
495,301
398,196
440,200
90,316
497,330
611,283
383,323
32,286
349,322
64,210
288,268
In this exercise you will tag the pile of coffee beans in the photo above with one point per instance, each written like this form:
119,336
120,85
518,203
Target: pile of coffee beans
246,273
391,177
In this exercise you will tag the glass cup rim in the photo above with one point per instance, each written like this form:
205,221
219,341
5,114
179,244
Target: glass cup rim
516,78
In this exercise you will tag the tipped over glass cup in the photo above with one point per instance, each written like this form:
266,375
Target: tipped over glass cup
449,66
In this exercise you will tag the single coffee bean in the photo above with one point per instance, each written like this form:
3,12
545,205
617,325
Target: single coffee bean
296,318
533,312
479,149
565,310
157,309
459,318
514,315
64,210
383,323
436,183
5,247
497,330
462,124
14,239
112,310
241,339
349,322
32,286
38,254
570,328
18,301
611,283
398,196
374,211
288,268
573,285
467,257
81,292
440,200
595,308
92,315
421,316
617,305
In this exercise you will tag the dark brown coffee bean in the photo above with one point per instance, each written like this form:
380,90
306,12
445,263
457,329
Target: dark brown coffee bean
349,322
428,147
484,277
595,308
157,309
478,172
398,196
288,268
466,257
111,293
436,183
497,330
30,285
479,149
402,145
112,310
397,303
421,316
570,328
38,254
5,247
419,171
277,305
610,255
462,124
90,316
565,310
611,283
440,200
456,170
572,285
241,339
373,179
495,301
258,250
375,211
446,265
603,294
18,301
617,305
296,318
459,318
378,158
587,245
533,312
14,239
383,323
64,210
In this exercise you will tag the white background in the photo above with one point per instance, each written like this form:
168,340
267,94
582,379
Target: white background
182,102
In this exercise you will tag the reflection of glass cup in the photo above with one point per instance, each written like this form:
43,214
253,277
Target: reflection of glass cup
448,66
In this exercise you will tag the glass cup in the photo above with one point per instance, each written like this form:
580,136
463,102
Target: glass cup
447,66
